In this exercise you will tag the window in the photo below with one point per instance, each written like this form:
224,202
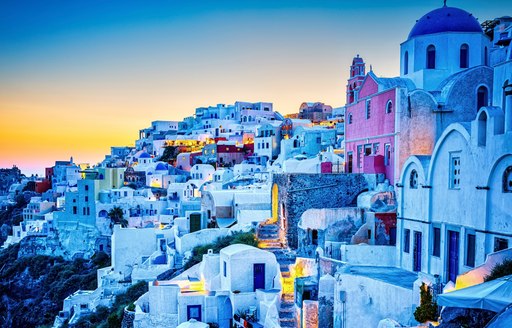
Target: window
507,179
225,271
86,198
387,154
486,57
318,140
500,244
482,128
431,57
455,171
464,56
376,148
407,237
368,109
350,118
413,180
194,312
359,155
367,149
86,187
470,250
268,146
75,210
389,107
436,249
482,97
406,63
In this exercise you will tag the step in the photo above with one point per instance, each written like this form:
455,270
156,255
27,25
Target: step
286,314
287,323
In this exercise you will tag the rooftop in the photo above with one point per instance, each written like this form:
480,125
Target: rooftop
394,276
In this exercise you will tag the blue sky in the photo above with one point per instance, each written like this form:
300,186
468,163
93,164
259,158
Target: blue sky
79,76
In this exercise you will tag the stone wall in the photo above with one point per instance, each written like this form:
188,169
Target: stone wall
300,192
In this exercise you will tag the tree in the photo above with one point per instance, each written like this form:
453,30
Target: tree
500,270
170,154
427,311
116,216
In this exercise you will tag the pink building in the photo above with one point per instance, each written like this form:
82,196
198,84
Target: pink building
370,134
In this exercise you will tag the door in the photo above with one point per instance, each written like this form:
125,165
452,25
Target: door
350,162
195,222
259,276
417,252
453,255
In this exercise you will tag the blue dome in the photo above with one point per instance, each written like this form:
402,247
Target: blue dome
445,19
161,167
144,155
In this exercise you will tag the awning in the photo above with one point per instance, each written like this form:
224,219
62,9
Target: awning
225,223
494,295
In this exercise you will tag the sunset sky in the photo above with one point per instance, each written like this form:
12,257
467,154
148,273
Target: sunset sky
77,77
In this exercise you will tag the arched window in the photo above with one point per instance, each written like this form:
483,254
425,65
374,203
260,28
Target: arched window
464,56
482,97
482,129
413,180
406,63
431,57
295,143
350,118
507,179
389,107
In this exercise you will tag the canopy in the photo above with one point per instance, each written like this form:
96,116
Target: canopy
493,295
502,319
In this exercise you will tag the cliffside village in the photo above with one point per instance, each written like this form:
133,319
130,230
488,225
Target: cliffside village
354,207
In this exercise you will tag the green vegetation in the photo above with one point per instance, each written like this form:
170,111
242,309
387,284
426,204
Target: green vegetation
170,154
500,270
113,317
247,238
427,311
33,288
116,216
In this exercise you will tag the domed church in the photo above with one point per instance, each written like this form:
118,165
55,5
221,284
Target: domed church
443,42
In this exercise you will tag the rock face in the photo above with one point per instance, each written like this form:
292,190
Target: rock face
452,317
300,192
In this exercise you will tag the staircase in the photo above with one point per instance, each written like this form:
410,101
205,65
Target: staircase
268,237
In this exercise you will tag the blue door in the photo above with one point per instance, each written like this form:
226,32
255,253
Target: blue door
417,252
259,276
194,312
453,255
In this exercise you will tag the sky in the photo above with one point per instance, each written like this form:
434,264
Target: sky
77,77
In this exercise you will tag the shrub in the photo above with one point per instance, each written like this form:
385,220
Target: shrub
427,311
500,270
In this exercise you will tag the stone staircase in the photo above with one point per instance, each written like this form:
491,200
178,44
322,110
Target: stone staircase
268,237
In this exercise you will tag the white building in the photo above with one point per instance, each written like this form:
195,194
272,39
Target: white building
240,278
